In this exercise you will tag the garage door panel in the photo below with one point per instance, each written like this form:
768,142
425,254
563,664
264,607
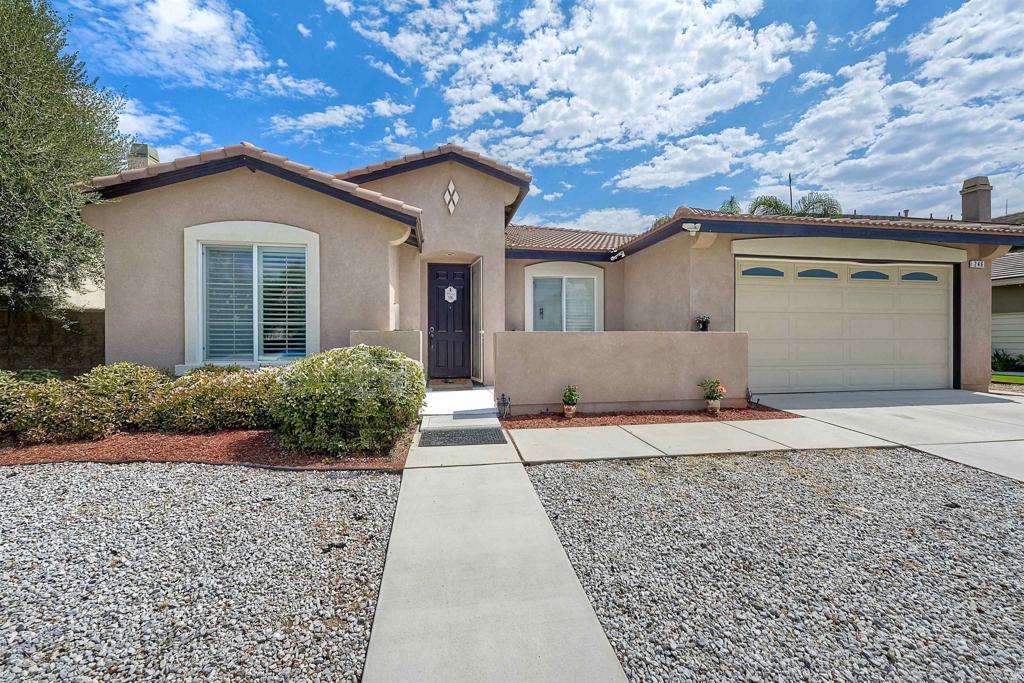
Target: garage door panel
817,326
824,299
872,327
868,351
867,328
870,300
819,352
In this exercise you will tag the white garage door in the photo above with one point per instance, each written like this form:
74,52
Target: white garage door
834,326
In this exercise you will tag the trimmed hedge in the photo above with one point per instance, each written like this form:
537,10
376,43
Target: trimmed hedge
204,401
347,400
10,397
120,394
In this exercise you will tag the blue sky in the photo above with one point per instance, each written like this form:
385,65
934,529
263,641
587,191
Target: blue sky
622,111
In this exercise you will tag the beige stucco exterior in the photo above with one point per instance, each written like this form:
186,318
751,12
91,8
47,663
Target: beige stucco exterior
619,370
372,285
144,258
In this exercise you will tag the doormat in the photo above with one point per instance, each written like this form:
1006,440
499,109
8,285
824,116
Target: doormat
451,382
462,437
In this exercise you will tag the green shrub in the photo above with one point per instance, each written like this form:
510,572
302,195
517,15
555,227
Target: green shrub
11,390
360,398
53,411
1003,361
37,375
207,401
119,394
215,369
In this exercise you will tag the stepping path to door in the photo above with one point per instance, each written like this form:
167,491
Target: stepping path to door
476,585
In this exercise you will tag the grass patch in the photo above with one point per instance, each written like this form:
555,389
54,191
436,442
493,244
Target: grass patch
1008,379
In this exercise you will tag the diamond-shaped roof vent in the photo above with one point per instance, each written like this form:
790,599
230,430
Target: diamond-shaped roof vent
451,197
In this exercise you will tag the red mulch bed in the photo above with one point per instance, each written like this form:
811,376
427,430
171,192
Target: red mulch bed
234,447
642,417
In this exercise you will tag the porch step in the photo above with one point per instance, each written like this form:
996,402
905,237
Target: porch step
476,420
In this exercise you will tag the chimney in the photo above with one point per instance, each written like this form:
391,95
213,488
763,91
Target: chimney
976,199
142,155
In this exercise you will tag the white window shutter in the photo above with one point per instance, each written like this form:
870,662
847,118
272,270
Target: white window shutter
282,292
228,303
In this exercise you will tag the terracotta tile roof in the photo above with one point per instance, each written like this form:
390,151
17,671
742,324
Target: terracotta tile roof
1011,265
247,149
685,214
448,148
562,239
1012,218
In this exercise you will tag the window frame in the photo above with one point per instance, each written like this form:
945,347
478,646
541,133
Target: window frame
564,270
252,234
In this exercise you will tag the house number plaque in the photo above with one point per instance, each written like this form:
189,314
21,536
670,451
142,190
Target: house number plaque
450,294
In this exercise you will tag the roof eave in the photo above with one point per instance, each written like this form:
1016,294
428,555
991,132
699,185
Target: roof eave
557,254
675,226
254,164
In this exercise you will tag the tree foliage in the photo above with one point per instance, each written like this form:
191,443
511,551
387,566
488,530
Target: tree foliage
730,205
57,129
767,205
811,204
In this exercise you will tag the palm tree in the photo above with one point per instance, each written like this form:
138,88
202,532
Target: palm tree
811,204
730,205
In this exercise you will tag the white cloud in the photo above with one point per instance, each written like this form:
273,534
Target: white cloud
397,147
608,220
387,108
281,64
886,5
552,196
566,90
689,159
882,146
330,45
286,85
304,30
565,186
198,138
812,79
402,129
872,30
345,6
145,125
307,125
191,42
172,152
388,70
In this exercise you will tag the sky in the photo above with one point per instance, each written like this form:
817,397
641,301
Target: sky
621,110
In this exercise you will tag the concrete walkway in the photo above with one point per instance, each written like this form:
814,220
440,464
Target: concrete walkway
688,438
478,588
982,430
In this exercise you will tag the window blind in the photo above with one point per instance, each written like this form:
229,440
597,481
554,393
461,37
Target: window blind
228,303
282,290
579,304
547,304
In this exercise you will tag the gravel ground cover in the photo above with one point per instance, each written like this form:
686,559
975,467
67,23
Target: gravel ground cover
856,565
1005,386
185,572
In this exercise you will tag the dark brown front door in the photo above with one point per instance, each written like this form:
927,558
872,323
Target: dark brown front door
448,317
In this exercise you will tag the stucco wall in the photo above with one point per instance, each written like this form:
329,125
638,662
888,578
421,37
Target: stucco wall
657,286
1008,299
515,291
476,229
408,342
619,370
975,323
144,256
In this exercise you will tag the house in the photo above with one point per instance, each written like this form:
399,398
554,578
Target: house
1008,296
238,255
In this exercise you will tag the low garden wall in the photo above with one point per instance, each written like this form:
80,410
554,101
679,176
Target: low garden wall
409,342
28,340
618,370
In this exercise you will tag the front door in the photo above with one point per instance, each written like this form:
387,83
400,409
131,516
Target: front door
449,354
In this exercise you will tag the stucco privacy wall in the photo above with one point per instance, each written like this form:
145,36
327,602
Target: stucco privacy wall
475,229
144,257
515,288
618,370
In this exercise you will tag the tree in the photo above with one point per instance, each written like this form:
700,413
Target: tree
730,205
57,129
811,204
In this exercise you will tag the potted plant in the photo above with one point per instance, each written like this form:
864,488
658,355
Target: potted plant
713,393
703,322
570,397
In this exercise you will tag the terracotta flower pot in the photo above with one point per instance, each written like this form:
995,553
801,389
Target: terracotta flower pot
714,405
568,410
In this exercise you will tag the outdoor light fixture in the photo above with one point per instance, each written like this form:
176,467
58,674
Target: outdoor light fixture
692,228
504,406
618,256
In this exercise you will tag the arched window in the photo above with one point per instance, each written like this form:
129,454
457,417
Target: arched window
820,273
920,276
869,275
763,271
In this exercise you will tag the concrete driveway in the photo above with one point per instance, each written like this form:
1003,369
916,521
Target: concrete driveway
982,430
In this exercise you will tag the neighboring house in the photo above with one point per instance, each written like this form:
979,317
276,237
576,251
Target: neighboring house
1008,296
239,255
